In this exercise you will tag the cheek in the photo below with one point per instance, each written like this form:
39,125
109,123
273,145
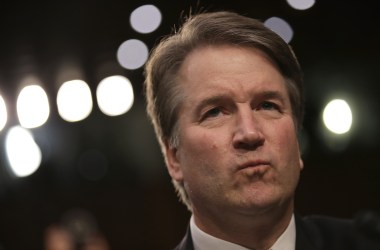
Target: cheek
285,145
202,149
285,135
202,142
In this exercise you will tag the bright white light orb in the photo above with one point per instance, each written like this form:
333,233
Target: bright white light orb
24,155
132,54
145,19
3,113
32,106
281,27
74,100
301,4
337,116
115,95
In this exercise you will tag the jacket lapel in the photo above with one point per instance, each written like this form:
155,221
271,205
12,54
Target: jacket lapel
307,237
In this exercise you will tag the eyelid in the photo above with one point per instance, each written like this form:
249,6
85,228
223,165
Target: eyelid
273,97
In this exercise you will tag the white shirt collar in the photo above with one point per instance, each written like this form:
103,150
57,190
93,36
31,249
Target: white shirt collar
204,241
287,240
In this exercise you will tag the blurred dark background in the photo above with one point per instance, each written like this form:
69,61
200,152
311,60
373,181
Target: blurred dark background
134,205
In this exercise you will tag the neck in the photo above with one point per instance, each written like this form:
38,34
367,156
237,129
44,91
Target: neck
258,231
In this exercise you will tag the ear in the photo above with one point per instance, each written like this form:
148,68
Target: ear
301,163
173,163
299,152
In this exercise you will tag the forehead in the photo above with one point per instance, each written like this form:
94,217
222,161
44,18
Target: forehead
238,70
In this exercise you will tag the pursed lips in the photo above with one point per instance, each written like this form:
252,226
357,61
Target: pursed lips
262,164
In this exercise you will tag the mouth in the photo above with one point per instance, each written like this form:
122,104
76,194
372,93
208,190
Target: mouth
253,164
256,167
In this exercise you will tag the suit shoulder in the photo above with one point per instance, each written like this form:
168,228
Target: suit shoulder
327,224
336,233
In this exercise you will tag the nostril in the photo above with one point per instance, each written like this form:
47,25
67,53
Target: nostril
248,145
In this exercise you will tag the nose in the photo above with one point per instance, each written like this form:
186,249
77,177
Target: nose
248,132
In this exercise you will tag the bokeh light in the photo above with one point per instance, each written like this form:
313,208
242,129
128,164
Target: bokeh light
132,54
23,153
337,116
115,95
3,113
32,106
145,19
301,4
281,27
74,100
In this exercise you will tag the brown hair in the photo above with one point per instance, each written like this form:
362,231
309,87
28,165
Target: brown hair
216,28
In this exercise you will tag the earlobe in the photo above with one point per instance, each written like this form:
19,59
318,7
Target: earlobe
173,163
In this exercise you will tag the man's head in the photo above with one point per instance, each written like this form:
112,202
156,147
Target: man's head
165,91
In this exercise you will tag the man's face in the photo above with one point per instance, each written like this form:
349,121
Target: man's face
238,149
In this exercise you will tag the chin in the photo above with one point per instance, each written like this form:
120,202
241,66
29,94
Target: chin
260,201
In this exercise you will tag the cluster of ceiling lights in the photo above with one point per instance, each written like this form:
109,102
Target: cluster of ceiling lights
114,94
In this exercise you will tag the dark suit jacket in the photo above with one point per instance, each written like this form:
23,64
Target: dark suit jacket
318,233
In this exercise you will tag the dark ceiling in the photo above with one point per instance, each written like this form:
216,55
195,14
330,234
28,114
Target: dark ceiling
135,207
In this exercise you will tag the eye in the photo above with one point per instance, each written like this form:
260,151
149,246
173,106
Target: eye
268,106
214,112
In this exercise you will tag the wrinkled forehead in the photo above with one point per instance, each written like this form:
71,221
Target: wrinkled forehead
227,66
